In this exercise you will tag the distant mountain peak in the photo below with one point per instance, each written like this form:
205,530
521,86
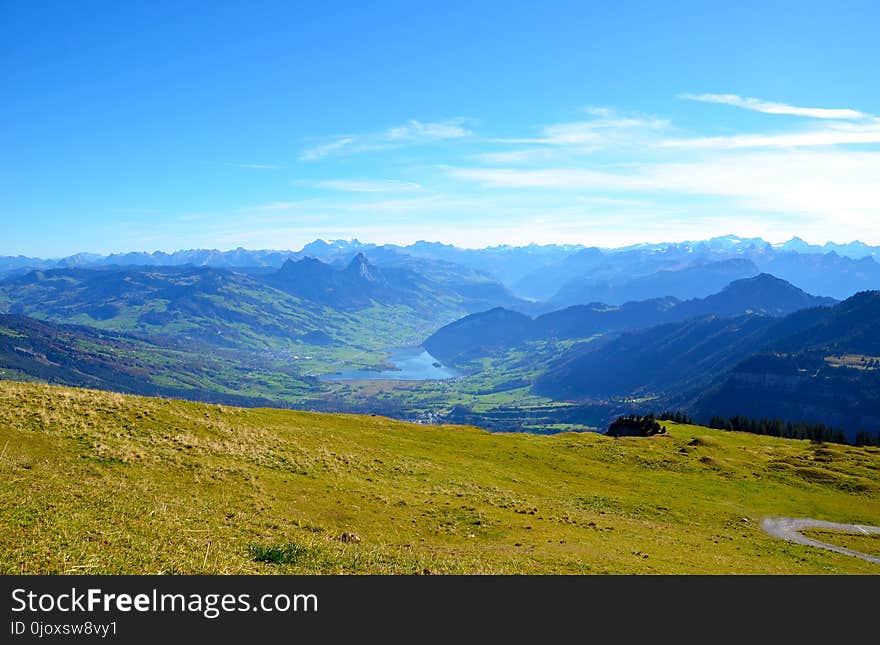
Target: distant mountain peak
308,261
360,267
765,293
763,283
307,271
760,279
315,244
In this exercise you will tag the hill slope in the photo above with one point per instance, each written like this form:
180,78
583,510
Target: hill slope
482,334
666,358
140,485
32,350
194,304
818,365
822,365
697,281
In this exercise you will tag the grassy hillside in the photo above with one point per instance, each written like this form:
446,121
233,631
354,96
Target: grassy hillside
104,483
306,307
32,350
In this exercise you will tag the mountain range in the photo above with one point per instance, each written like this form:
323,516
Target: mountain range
760,347
691,270
541,335
304,301
563,274
498,330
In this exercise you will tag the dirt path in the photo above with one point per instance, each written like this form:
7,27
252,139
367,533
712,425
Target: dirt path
789,528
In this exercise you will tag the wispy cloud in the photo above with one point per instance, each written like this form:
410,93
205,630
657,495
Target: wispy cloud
617,202
838,185
556,178
511,156
607,127
410,133
772,107
612,177
838,127
824,137
416,130
325,149
369,186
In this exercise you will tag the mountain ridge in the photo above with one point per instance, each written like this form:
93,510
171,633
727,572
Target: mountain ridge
538,271
763,294
815,365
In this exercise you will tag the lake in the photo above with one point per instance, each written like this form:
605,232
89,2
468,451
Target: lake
413,364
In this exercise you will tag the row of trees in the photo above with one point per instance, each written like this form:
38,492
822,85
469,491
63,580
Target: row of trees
790,430
865,438
742,423
678,417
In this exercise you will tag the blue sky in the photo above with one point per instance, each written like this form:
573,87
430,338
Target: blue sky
167,125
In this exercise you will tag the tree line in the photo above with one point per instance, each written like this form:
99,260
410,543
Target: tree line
678,417
647,425
792,430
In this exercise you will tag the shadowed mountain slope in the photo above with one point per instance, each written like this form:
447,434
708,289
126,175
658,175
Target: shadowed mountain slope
466,339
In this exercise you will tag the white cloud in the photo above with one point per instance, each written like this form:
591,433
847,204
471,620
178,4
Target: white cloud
824,137
524,155
325,149
770,107
514,156
369,186
410,133
838,186
391,208
617,202
641,181
582,132
841,127
606,129
559,178
415,130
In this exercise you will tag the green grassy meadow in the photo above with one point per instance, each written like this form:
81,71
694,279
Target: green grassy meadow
97,482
